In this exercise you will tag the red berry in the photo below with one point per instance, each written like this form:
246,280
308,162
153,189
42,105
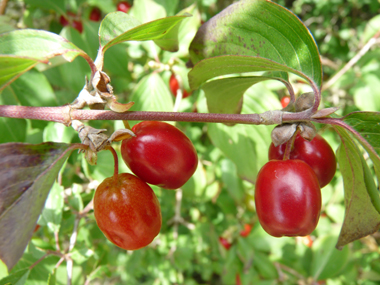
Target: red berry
95,14
174,86
285,101
127,211
160,154
247,229
225,243
63,21
123,6
287,198
78,26
317,153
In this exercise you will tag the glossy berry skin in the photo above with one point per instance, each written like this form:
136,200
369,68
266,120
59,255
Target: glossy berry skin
317,153
174,86
160,154
285,101
287,198
95,14
127,212
123,6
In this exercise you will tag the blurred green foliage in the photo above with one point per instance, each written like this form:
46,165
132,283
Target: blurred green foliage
215,202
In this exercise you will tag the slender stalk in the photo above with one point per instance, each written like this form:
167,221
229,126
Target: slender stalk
289,146
116,167
65,115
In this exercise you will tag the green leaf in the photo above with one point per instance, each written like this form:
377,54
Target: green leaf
232,64
361,217
58,6
23,49
247,145
225,95
12,130
367,124
259,28
152,94
366,92
327,261
13,67
119,27
16,278
231,181
52,213
28,171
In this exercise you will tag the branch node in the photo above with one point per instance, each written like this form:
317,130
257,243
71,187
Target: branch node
271,117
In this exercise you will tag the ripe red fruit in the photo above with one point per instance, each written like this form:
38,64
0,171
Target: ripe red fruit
225,243
123,6
247,229
63,21
75,23
318,154
127,211
174,86
95,14
160,154
288,198
78,26
285,101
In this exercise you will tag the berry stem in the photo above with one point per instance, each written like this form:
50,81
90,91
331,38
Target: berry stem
289,146
116,160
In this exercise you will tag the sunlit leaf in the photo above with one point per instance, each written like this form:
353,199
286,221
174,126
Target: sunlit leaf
233,64
224,95
28,172
16,278
20,50
152,94
361,217
247,145
119,27
368,125
327,260
263,29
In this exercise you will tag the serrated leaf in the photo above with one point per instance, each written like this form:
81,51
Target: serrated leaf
224,95
361,217
232,64
263,29
119,27
23,49
28,172
16,278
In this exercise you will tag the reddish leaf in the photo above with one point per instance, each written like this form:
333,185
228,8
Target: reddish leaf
28,172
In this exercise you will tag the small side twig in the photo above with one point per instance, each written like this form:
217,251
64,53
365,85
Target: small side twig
372,41
3,6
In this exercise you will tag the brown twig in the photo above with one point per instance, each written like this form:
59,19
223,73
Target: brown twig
3,6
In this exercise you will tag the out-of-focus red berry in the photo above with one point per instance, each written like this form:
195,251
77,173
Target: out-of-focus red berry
63,21
123,6
225,243
174,86
285,101
247,229
78,26
95,14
